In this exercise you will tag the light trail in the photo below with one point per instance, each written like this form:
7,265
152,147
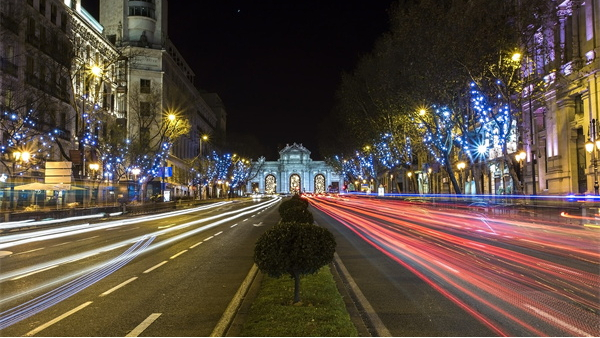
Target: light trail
79,280
510,274
49,299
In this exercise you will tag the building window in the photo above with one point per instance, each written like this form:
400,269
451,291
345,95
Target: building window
63,21
145,86
142,11
30,2
53,16
145,109
43,7
144,136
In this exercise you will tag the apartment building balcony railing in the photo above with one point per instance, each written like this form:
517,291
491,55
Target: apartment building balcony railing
33,40
8,67
9,23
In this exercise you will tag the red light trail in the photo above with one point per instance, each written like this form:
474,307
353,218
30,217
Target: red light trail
520,277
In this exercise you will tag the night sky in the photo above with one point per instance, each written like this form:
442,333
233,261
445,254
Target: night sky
276,64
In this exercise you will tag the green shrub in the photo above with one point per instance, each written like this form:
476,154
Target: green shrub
294,249
294,201
297,214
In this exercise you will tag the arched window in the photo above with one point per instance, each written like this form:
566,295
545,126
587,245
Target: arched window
270,184
295,184
319,184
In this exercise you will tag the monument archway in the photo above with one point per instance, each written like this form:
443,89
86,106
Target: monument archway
270,184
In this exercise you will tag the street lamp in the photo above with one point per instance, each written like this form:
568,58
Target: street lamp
202,138
94,169
409,174
521,156
20,157
135,172
461,166
592,146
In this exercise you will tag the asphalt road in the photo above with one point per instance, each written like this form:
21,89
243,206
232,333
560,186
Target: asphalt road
171,276
429,271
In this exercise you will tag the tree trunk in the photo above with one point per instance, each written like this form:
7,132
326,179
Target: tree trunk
296,287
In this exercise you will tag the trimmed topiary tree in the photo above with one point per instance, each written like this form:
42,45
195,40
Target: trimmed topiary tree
295,201
294,249
297,214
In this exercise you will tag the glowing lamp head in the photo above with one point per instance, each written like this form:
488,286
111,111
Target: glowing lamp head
516,57
96,71
589,146
461,165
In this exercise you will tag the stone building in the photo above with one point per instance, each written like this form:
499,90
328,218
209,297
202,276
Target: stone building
294,172
557,127
71,79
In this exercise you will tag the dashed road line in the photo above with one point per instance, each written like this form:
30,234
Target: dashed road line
218,233
56,320
177,254
207,238
85,239
195,245
234,225
156,266
28,251
143,325
118,286
34,272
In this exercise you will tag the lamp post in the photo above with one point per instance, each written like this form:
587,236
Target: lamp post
18,157
94,169
521,156
461,166
135,172
592,146
202,138
409,174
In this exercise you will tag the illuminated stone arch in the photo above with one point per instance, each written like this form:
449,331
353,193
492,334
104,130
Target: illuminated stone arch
320,184
270,184
294,184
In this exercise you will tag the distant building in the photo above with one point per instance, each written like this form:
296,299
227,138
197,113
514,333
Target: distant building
295,172
161,82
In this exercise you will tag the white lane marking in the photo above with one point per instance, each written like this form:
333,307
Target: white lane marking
34,272
195,245
61,244
166,226
559,322
207,238
143,325
85,239
118,286
234,225
55,320
218,233
245,220
156,266
259,224
177,254
26,252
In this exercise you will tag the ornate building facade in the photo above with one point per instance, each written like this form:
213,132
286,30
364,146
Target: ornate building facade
294,172
563,120
68,82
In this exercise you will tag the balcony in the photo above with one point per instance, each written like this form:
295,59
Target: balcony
8,23
8,67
